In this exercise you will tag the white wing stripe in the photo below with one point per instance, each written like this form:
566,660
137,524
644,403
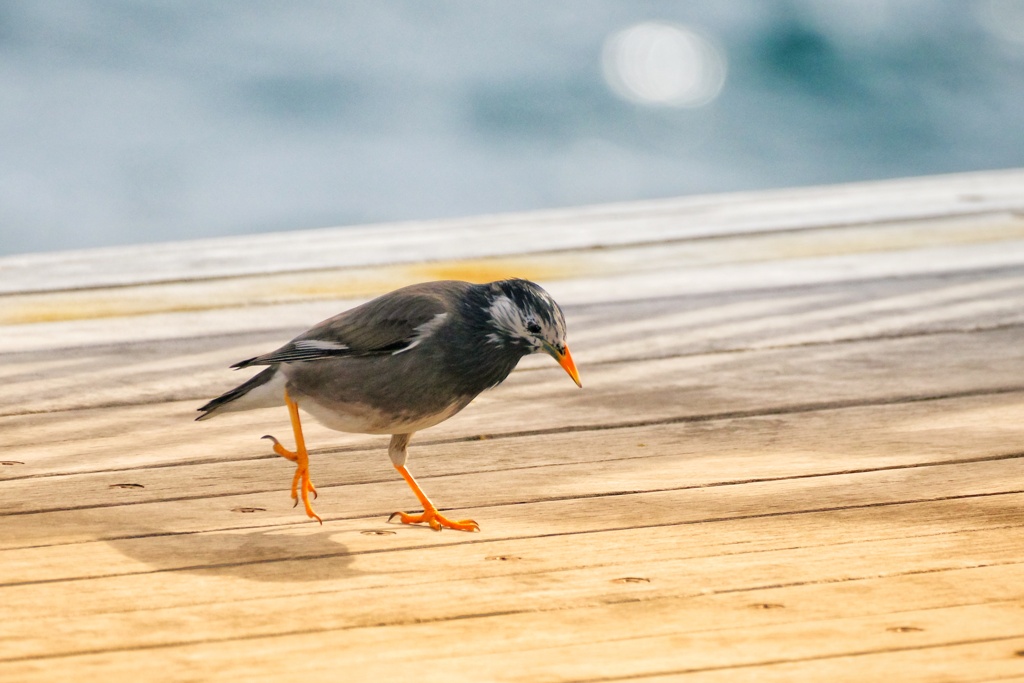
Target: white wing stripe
320,345
423,331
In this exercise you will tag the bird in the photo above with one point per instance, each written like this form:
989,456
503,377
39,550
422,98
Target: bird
400,363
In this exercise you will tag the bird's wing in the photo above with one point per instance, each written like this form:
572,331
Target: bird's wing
387,325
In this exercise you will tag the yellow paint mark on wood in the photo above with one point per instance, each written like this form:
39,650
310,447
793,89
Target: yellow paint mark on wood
541,267
352,283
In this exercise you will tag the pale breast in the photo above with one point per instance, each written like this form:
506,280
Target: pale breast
362,419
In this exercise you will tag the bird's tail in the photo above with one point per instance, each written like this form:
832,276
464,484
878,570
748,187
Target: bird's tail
264,390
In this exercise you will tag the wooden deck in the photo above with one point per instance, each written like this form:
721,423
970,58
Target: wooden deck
798,454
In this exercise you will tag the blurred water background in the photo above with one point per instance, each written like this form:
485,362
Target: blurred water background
126,122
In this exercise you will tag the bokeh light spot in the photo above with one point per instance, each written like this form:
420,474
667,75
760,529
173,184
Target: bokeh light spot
656,63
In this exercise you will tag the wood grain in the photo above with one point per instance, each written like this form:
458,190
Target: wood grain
799,454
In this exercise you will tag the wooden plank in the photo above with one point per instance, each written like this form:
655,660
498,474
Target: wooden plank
672,460
705,522
828,432
735,542
966,662
690,455
981,660
659,390
989,241
147,371
807,399
515,234
609,491
651,636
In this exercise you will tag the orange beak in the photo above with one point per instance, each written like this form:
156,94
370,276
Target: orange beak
565,360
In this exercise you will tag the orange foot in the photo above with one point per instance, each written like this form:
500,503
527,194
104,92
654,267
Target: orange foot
436,520
301,481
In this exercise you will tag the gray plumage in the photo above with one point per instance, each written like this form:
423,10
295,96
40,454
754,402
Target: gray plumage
400,363
406,360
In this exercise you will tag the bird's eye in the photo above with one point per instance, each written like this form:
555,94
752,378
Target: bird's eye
533,328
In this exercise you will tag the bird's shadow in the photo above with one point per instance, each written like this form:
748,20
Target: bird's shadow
270,554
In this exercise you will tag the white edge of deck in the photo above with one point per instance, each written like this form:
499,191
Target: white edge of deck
519,233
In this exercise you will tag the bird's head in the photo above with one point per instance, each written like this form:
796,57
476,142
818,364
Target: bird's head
522,315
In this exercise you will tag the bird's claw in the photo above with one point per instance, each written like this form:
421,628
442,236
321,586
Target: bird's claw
300,482
436,520
281,450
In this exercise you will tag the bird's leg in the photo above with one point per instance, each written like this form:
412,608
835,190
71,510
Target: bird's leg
294,457
302,485
430,515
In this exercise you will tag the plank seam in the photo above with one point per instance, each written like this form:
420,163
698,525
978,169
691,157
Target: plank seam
797,660
714,484
794,409
725,350
473,541
514,612
965,273
1010,209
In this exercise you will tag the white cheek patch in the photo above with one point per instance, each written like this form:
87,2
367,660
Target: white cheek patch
515,323
508,317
